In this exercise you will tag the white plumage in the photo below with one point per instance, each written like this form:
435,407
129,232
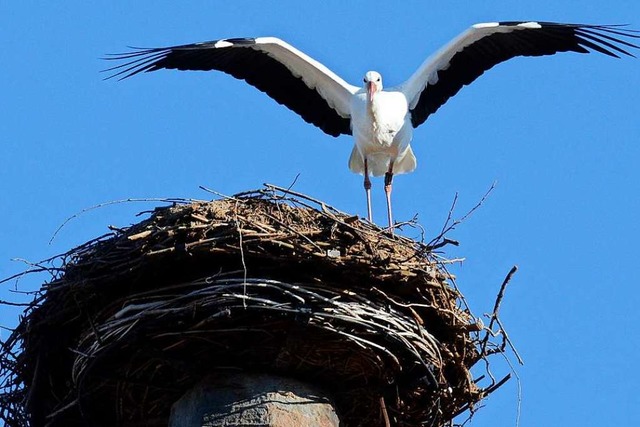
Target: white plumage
381,121
382,130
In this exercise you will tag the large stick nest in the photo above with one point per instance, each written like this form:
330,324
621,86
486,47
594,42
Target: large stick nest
261,282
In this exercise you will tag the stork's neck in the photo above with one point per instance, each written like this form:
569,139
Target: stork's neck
373,107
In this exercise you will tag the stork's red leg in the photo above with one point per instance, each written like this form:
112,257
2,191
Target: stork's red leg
367,189
388,177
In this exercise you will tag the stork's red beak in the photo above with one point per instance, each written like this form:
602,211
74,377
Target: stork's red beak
371,90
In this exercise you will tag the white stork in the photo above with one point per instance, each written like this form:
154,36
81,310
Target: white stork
381,121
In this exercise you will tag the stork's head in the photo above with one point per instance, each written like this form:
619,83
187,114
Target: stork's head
372,83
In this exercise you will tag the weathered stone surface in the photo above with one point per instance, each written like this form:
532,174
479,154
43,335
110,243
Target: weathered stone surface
245,399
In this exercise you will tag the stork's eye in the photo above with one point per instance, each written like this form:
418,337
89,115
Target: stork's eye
364,80
378,79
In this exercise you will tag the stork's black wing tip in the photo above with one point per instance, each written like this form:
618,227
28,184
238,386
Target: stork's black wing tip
138,60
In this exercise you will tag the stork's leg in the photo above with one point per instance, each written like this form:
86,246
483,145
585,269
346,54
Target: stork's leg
367,189
388,177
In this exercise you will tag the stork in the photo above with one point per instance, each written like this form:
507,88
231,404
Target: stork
381,120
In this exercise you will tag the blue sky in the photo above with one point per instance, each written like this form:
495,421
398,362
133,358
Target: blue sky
559,135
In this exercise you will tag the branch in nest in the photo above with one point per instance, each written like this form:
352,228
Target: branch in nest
448,226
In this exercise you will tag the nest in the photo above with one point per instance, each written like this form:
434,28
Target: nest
265,281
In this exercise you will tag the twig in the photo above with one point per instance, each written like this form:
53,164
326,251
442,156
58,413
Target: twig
15,304
494,318
114,202
503,332
519,388
302,196
497,385
385,415
293,182
244,264
503,288
291,229
445,241
25,273
447,227
216,193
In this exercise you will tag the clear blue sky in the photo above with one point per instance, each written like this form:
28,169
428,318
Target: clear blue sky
559,134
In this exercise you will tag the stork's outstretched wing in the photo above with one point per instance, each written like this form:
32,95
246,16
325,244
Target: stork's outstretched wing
484,45
284,73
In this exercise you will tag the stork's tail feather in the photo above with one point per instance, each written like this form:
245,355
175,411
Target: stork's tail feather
406,164
356,163
379,164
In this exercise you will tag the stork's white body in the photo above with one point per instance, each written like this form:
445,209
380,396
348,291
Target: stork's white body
382,133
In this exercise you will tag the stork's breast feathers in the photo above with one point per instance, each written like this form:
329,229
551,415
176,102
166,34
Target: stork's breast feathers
382,129
390,110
